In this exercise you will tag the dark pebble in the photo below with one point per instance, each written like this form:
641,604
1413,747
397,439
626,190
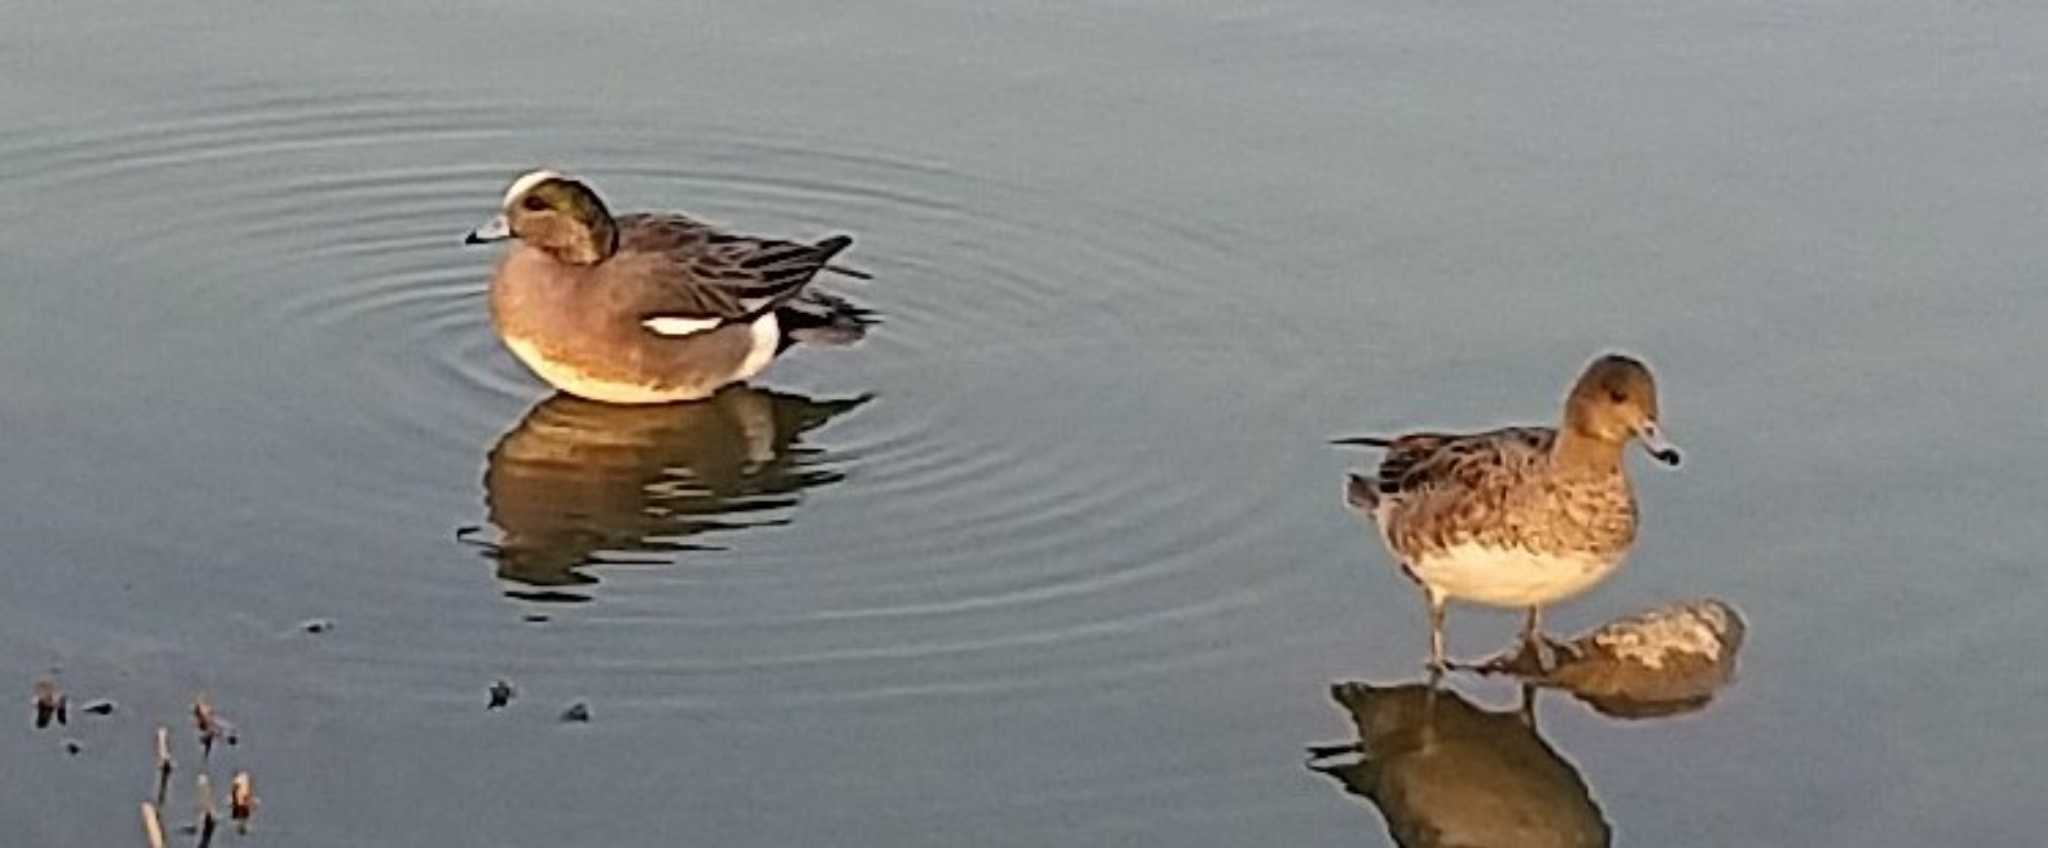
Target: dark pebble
501,695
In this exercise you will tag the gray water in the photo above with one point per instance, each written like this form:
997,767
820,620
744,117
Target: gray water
1055,556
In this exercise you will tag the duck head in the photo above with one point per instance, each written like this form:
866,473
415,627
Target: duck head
1615,400
555,214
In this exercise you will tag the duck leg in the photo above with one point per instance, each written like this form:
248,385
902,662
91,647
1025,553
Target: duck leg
1535,657
1435,601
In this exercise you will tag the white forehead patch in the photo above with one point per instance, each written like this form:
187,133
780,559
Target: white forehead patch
520,186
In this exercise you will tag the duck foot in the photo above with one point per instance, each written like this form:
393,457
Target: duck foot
1535,659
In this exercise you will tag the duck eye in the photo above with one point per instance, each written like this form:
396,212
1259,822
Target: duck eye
1617,395
534,203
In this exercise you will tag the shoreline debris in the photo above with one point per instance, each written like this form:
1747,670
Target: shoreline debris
152,826
211,727
164,763
242,801
203,788
50,702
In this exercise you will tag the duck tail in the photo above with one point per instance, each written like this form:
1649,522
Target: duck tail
830,247
815,317
1364,441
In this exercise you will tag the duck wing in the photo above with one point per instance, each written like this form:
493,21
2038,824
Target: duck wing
1417,461
686,275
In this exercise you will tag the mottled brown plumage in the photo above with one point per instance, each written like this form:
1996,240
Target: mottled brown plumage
1501,489
1519,516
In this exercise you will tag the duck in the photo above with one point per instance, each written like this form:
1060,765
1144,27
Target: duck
1518,517
651,307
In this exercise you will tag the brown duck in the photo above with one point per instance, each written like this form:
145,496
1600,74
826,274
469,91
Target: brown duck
1520,517
651,307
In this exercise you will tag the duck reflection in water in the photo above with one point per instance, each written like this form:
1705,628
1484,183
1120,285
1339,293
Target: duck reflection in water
1445,772
579,483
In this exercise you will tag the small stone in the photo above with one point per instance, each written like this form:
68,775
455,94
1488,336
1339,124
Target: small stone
72,746
211,726
501,694
578,712
99,706
316,625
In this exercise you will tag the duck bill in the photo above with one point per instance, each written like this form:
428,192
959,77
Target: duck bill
496,229
1654,442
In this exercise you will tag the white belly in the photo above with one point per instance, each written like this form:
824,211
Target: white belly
688,383
1510,577
583,384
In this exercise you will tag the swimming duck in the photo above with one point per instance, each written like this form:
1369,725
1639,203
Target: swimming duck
651,307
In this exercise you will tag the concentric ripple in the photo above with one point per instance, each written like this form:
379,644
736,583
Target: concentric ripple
1053,482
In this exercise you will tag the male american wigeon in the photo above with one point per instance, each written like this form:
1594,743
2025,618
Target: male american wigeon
650,307
1520,517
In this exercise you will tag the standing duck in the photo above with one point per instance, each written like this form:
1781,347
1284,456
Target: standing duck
1520,517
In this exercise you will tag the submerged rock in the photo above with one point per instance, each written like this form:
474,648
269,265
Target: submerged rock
1667,660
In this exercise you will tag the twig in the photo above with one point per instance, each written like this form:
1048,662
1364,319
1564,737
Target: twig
164,763
204,788
152,829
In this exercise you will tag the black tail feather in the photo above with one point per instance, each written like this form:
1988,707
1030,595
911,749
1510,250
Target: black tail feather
816,317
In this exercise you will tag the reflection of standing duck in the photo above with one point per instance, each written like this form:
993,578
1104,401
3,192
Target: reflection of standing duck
577,479
1446,773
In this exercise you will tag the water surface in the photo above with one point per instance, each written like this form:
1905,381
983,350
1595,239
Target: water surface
1056,556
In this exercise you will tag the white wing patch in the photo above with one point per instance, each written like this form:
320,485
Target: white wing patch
671,325
527,181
